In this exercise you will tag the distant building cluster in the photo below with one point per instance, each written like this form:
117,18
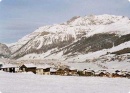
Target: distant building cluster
63,71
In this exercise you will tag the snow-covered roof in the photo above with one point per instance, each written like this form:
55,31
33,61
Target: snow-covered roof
53,70
8,66
29,65
111,70
72,68
89,70
44,66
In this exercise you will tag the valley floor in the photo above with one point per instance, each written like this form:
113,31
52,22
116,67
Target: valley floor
30,83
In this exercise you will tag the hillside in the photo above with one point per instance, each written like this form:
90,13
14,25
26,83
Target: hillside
4,51
78,39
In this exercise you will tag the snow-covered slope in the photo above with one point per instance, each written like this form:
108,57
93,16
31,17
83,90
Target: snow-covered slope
78,38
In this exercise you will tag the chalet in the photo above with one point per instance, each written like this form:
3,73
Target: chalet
28,68
39,70
114,75
43,69
66,71
9,68
110,72
73,71
52,71
123,73
97,73
88,72
46,69
102,73
60,72
117,73
84,71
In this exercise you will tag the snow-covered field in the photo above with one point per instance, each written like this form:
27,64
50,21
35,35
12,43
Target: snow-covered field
30,83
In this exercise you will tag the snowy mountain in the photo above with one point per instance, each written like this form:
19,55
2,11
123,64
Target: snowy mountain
78,39
4,51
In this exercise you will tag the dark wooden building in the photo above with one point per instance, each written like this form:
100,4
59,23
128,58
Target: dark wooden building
28,68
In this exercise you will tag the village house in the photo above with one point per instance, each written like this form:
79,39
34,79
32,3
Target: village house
116,73
110,72
43,69
73,71
66,71
39,70
53,71
28,68
123,73
102,73
9,68
97,73
46,69
60,72
88,72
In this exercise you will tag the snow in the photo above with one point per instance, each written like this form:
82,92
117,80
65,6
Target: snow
124,65
43,66
45,55
41,42
83,57
82,66
29,65
121,46
52,70
30,83
8,65
79,57
117,28
89,25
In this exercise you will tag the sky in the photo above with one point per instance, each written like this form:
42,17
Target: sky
21,17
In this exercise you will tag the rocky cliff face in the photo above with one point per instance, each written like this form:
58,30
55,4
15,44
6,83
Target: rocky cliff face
78,36
4,51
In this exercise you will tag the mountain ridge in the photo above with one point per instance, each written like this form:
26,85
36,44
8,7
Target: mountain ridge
79,35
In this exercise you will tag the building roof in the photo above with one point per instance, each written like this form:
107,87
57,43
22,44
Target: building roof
29,65
8,66
44,66
53,70
72,68
111,70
